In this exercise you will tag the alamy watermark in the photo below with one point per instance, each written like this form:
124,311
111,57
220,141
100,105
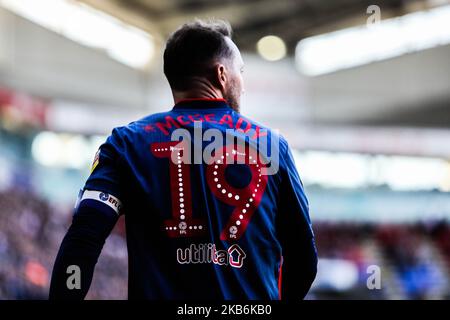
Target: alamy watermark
374,279
74,279
375,15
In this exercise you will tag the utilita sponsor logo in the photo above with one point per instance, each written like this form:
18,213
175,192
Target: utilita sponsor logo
207,253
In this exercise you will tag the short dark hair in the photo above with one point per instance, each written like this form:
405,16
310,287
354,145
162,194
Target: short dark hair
192,49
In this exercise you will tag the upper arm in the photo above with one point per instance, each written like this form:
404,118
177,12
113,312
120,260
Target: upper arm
105,183
293,217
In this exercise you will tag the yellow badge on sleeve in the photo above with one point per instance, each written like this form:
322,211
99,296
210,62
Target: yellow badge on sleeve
96,160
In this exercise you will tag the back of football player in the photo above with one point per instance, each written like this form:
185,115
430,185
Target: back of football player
207,217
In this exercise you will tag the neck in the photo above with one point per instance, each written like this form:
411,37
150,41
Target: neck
201,89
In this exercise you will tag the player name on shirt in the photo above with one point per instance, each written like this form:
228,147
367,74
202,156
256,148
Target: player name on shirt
185,119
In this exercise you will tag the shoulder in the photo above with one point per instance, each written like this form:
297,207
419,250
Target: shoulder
138,126
284,145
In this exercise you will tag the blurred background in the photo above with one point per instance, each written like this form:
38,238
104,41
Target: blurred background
361,90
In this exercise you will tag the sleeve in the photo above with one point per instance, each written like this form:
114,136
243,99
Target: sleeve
79,251
299,266
104,183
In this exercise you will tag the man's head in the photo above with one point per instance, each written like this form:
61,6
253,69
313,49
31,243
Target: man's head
201,58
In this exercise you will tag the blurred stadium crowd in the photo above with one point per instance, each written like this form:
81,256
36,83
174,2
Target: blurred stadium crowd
30,234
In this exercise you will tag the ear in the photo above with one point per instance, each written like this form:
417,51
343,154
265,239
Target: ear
221,76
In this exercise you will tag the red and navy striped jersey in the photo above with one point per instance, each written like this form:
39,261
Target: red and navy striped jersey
209,229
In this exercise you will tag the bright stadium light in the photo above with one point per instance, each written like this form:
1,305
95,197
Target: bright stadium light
271,48
46,148
353,171
411,173
341,170
88,26
74,146
65,150
361,45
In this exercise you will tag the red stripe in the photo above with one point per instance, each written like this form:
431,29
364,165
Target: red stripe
280,278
